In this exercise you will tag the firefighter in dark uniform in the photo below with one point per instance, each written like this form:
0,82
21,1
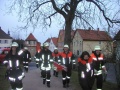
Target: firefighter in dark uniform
85,71
46,56
26,58
67,59
14,71
99,66
37,58
56,58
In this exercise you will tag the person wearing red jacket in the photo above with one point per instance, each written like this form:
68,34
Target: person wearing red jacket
85,71
67,59
56,59
99,66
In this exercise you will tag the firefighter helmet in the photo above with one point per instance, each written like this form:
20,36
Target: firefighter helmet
66,46
55,48
46,44
14,44
97,48
25,48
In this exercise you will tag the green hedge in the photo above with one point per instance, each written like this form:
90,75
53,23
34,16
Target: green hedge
4,84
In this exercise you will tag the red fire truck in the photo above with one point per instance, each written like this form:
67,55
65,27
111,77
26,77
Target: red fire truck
4,52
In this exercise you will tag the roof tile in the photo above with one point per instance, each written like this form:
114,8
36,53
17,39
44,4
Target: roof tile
94,35
31,37
3,35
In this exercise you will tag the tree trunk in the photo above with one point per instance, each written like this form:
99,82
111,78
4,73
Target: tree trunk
68,28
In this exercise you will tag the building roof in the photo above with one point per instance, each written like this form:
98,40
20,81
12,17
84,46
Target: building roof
55,41
94,35
117,36
62,35
31,38
3,35
48,40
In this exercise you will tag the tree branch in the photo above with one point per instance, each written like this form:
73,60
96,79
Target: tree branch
57,9
103,12
38,5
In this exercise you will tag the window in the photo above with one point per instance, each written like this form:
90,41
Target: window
6,41
80,42
77,52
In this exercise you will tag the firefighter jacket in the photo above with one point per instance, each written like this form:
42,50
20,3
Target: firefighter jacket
14,71
26,56
37,56
46,57
67,59
85,68
98,62
56,57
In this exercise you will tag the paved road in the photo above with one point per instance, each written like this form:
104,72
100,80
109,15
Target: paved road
33,81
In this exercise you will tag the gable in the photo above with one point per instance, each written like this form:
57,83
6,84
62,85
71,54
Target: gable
3,35
31,38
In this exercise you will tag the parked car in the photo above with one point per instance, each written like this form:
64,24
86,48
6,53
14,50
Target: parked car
3,53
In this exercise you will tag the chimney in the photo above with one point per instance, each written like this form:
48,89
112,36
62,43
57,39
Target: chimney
8,32
89,28
98,29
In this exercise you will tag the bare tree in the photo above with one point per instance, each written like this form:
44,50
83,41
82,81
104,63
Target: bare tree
116,57
71,13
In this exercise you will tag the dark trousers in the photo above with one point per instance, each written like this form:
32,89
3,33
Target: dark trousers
55,73
46,76
16,84
37,64
99,81
66,76
25,64
86,84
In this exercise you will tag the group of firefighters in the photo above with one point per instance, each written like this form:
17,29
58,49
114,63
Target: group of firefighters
90,67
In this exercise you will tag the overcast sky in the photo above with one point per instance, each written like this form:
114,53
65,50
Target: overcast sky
10,22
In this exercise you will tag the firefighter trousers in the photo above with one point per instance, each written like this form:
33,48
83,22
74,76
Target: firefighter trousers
66,76
99,81
25,64
85,84
46,76
17,85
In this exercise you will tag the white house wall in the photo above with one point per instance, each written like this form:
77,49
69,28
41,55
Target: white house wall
77,44
7,44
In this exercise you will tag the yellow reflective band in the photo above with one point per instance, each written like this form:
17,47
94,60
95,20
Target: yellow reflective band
69,60
67,77
64,78
63,60
27,55
10,63
48,57
17,63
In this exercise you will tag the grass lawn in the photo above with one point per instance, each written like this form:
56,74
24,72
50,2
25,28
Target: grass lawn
4,84
76,86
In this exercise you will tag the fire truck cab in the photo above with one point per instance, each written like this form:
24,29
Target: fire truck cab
3,53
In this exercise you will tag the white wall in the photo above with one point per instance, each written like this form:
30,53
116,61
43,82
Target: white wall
4,44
